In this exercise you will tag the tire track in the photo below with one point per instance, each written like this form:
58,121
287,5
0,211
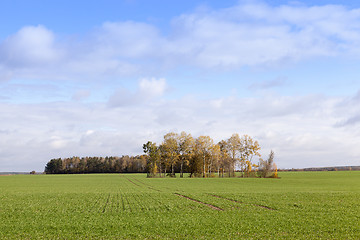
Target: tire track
122,202
253,204
154,189
148,186
106,203
133,183
93,206
195,200
117,203
128,203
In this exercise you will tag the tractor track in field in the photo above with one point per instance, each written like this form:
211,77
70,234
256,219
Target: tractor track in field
118,195
122,202
253,204
94,205
198,201
133,182
136,184
141,186
128,203
106,204
148,186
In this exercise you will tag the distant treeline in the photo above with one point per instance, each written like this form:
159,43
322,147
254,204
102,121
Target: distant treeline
179,153
72,165
316,169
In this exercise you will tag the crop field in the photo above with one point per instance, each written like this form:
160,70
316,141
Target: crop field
300,205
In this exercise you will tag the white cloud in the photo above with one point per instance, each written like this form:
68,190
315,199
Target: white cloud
247,34
302,134
148,89
349,110
31,45
152,87
252,34
57,142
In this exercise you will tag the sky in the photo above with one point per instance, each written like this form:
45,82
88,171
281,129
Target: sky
100,78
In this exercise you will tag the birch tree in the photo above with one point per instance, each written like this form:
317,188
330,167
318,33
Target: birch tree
233,146
186,150
249,148
203,146
223,158
170,150
153,152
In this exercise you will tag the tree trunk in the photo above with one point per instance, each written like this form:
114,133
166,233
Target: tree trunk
204,172
209,171
160,170
233,168
181,169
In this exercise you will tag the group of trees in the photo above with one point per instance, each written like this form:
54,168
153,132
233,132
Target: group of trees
179,153
124,164
201,157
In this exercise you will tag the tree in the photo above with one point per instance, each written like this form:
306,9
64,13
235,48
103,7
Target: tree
224,157
82,166
153,152
203,149
215,156
186,150
170,151
248,149
266,167
54,166
233,146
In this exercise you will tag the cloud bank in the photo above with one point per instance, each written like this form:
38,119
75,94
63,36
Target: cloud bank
248,34
301,130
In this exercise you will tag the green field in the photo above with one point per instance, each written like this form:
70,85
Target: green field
300,205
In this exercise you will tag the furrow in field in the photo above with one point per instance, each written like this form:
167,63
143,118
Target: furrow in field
117,208
253,204
135,204
133,182
93,206
128,203
106,203
195,200
139,202
148,186
122,202
157,203
153,188
154,202
114,203
125,201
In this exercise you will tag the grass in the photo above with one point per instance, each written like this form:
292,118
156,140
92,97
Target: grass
300,205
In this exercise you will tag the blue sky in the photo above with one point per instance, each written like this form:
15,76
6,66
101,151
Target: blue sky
83,78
